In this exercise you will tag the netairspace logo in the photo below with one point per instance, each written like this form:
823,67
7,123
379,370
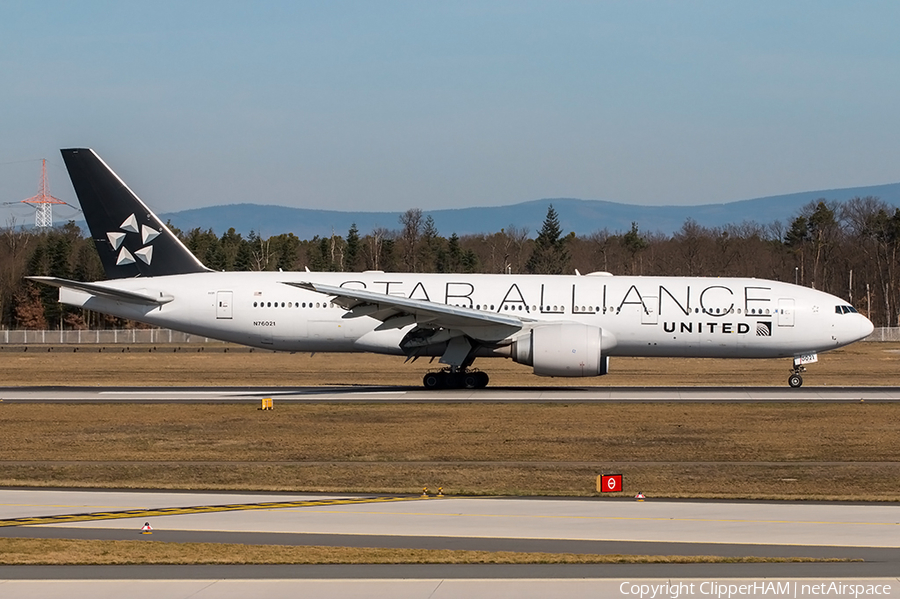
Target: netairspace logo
674,590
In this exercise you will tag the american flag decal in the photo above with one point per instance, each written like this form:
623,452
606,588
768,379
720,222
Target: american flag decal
763,329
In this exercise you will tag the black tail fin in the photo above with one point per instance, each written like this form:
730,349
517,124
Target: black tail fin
130,239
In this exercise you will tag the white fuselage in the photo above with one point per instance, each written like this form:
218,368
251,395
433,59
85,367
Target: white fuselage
639,316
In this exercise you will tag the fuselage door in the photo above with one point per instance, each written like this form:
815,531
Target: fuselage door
785,312
223,304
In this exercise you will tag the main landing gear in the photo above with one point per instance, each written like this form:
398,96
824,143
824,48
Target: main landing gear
455,378
795,380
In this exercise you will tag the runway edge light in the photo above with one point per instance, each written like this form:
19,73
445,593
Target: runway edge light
146,529
610,483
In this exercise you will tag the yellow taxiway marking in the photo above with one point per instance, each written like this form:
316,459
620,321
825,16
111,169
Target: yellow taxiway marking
200,509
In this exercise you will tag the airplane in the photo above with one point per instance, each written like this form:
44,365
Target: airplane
560,325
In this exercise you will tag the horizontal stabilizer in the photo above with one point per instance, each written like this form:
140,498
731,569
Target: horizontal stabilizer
120,295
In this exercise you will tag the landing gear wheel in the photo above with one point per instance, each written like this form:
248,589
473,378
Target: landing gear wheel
481,380
452,380
795,381
433,380
470,380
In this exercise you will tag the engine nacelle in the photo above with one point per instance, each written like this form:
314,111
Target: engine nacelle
565,349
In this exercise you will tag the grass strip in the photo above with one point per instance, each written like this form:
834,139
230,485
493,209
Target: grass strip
758,450
861,364
15,551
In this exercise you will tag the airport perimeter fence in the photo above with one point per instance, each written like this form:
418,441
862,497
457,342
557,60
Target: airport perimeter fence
104,337
166,336
884,334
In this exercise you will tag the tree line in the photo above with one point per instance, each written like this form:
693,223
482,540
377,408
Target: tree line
849,249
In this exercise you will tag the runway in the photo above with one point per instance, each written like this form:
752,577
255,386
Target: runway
362,394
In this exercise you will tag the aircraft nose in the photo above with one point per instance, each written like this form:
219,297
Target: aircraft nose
865,327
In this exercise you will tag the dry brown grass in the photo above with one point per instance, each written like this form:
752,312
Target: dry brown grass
707,450
859,364
743,450
78,552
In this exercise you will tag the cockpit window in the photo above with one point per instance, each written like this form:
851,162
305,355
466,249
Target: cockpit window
845,310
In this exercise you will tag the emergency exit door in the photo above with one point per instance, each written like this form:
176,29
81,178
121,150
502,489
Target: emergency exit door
223,304
785,312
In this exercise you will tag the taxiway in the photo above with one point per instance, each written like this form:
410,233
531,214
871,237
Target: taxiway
362,394
866,532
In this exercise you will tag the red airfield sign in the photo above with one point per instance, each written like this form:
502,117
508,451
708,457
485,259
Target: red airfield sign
610,483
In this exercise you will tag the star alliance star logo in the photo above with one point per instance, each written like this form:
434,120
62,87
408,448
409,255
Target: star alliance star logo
116,238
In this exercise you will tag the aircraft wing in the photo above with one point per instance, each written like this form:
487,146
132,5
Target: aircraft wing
398,312
120,295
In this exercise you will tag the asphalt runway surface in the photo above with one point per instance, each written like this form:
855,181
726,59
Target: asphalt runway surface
355,394
850,531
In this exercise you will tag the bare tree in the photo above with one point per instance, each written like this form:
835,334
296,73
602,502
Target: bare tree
411,220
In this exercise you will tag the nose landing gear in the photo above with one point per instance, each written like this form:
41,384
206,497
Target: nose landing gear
795,380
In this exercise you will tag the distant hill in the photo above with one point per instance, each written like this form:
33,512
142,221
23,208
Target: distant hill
581,216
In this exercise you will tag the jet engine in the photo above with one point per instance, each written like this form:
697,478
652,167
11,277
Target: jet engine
565,349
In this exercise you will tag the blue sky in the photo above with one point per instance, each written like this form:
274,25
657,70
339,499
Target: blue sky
392,105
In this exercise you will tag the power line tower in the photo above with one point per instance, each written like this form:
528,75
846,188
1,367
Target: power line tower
42,202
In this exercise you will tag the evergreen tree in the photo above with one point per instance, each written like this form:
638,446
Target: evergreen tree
469,261
230,243
243,260
550,255
286,248
634,244
351,253
430,245
388,254
214,257
450,260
